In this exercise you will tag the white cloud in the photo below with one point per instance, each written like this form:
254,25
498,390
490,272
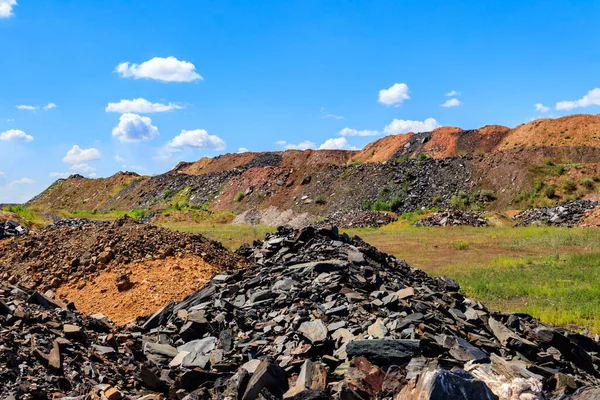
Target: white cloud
138,167
336,144
140,106
197,138
356,132
78,155
452,93
243,150
404,126
63,175
92,175
10,120
396,94
119,159
26,107
1,173
325,114
167,69
307,144
6,6
452,103
592,98
22,181
134,128
49,106
541,108
83,168
14,135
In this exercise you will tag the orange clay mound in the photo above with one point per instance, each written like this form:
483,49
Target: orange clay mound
572,130
382,149
155,284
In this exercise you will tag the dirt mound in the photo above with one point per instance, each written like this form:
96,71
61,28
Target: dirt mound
272,216
382,149
591,219
453,218
151,285
50,258
77,193
359,219
572,130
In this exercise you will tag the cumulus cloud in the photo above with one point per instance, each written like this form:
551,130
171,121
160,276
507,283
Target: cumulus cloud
6,8
62,175
243,150
197,138
83,168
134,128
541,108
336,144
119,159
78,155
140,106
404,126
592,98
22,181
26,107
49,106
10,120
15,135
1,173
356,132
325,114
168,69
307,144
452,103
452,93
396,94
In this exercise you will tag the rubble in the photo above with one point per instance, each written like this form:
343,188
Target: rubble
317,315
359,219
452,217
11,228
564,214
74,223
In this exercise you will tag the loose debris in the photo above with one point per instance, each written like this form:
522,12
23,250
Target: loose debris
359,219
11,228
564,214
452,217
74,223
52,257
319,315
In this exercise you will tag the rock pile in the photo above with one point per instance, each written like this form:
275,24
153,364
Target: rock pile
563,214
50,351
51,257
319,315
452,217
75,223
359,219
12,228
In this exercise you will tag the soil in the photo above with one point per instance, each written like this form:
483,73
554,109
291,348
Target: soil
155,284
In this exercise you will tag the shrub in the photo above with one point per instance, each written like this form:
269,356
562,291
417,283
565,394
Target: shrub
167,194
548,161
560,169
461,245
596,178
569,186
550,192
365,205
422,156
395,204
436,199
320,200
239,196
385,190
409,175
587,183
380,205
487,195
138,213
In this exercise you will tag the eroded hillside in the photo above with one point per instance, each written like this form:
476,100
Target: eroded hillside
536,163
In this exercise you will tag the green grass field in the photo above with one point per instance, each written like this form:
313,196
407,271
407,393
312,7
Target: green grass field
550,273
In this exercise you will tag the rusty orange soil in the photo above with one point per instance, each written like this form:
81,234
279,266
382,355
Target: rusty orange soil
155,284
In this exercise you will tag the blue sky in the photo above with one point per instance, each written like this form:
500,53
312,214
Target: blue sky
190,79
